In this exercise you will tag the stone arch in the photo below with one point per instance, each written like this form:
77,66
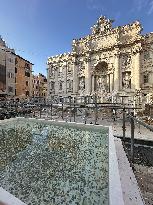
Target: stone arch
101,77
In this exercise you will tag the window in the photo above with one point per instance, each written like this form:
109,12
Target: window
27,93
60,70
16,70
10,60
69,69
27,74
10,89
146,55
60,85
51,72
146,78
27,66
10,75
52,85
16,61
15,79
26,83
70,85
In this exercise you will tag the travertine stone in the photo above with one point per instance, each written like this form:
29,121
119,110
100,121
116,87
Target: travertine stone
116,72
109,59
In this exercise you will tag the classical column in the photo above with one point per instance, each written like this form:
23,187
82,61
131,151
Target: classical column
56,82
137,71
111,82
117,72
92,83
88,77
75,78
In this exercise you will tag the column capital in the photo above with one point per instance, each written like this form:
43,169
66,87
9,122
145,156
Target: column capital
117,53
87,58
136,49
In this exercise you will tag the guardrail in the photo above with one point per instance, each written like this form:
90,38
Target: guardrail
133,119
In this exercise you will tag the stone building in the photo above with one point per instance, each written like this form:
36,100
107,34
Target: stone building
23,78
110,61
39,86
7,70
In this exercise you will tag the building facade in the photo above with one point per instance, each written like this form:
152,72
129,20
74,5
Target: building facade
7,70
39,86
109,60
23,78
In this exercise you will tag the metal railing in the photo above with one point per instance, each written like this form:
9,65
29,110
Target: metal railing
133,119
67,110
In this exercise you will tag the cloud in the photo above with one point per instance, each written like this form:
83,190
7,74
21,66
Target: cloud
140,5
150,11
94,5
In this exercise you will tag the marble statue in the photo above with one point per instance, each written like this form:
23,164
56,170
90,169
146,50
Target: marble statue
127,81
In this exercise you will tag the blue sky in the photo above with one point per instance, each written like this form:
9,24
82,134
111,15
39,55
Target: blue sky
37,29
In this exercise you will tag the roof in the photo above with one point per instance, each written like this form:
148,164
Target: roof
23,59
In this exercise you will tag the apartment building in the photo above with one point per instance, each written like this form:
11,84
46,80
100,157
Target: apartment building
23,78
39,86
7,70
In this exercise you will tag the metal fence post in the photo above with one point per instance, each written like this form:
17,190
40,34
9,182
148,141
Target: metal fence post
40,112
95,109
51,110
70,107
132,139
62,110
74,110
85,113
123,127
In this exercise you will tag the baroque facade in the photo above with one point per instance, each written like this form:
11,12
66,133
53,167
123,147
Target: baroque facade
109,60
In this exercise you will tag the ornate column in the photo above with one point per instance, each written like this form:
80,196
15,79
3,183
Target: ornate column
75,78
92,83
111,82
135,81
117,71
88,76
137,71
48,80
56,82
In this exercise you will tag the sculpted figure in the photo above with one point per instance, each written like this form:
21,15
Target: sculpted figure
126,60
82,84
101,84
127,81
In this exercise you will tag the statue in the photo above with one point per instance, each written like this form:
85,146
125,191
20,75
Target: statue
126,60
101,84
82,84
126,81
102,25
